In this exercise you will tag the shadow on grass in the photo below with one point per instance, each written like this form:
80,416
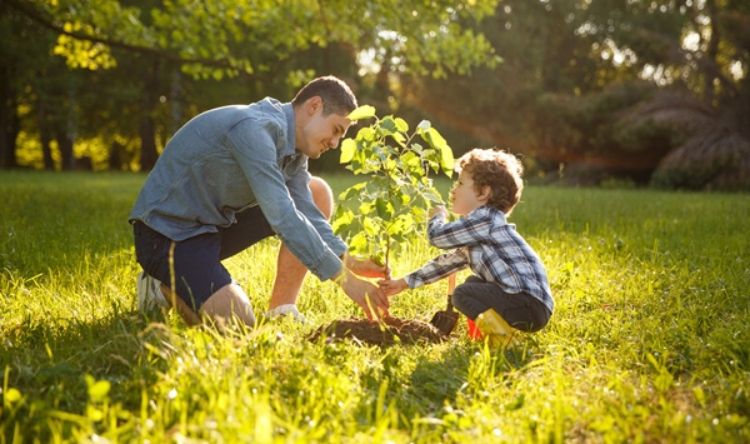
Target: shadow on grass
47,364
461,369
437,380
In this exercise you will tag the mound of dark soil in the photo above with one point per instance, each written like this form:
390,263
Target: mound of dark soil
363,330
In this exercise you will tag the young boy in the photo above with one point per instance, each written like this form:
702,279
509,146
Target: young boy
509,288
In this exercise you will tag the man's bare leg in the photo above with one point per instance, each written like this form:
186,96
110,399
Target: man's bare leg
290,272
228,302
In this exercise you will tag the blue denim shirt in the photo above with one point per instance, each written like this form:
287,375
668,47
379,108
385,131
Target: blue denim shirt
231,158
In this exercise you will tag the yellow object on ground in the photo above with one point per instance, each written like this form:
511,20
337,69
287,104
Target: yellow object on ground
497,330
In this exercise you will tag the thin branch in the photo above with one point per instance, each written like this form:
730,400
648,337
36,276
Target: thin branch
39,17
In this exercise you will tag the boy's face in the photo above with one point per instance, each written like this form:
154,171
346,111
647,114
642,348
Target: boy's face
464,196
318,133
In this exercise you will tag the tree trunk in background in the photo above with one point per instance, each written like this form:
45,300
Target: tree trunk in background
175,100
45,139
65,144
712,52
65,129
147,128
116,162
147,132
45,135
9,122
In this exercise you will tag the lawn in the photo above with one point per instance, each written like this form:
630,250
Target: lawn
649,341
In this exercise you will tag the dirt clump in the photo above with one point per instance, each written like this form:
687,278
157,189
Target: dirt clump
391,331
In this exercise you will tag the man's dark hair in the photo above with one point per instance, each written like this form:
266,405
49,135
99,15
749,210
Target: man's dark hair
337,96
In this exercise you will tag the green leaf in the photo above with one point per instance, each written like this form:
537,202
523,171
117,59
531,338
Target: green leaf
363,112
366,133
371,226
401,125
358,243
365,208
348,147
388,126
399,138
435,139
424,125
433,196
385,210
446,160
343,219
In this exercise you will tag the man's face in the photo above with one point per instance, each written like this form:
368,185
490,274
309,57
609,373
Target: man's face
321,133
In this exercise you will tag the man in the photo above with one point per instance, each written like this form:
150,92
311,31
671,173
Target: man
235,175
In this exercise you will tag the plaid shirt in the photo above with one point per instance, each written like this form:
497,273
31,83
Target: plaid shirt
486,242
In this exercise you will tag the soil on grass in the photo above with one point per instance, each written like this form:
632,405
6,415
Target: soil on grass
404,331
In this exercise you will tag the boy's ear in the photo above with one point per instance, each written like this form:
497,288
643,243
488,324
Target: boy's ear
486,193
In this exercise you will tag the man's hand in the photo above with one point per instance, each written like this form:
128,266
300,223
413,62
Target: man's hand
439,209
390,287
365,267
369,297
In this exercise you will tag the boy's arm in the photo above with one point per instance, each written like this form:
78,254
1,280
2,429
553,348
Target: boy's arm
438,268
463,232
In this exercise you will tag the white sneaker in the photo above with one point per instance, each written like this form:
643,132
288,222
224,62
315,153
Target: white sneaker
150,297
286,309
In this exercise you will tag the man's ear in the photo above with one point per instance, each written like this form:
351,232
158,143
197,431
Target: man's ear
313,104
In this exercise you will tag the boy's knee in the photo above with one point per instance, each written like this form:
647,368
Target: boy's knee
322,196
458,299
465,302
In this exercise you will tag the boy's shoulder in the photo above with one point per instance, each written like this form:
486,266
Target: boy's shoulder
490,213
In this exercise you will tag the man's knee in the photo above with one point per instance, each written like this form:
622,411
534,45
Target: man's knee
229,301
322,196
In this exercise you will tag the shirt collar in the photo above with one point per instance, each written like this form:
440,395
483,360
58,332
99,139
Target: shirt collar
291,143
487,210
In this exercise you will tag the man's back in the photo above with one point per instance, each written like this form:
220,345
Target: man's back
200,180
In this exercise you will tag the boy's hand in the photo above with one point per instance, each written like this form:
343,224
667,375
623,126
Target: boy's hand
365,267
439,209
389,287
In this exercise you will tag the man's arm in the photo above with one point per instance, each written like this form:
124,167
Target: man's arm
299,189
254,147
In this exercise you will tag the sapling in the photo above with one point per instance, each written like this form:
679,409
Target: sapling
389,209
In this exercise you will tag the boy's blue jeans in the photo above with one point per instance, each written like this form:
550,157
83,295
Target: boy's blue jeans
522,311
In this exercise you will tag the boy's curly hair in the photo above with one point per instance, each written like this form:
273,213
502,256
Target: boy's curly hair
499,170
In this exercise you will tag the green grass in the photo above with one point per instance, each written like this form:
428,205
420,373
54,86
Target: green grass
649,340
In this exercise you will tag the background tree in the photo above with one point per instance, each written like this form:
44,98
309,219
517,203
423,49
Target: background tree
260,41
578,81
649,91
